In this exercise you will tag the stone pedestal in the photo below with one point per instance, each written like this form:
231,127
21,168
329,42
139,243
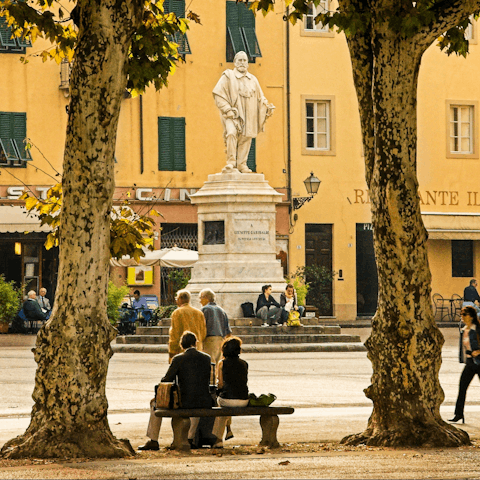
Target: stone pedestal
236,240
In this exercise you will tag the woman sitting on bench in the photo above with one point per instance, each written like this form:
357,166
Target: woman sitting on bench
232,386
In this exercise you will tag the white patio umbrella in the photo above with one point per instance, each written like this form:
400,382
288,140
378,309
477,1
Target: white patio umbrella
174,257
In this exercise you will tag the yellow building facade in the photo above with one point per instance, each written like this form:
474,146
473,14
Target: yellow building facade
334,229
170,141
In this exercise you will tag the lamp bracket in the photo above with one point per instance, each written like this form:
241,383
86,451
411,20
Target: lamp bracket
299,202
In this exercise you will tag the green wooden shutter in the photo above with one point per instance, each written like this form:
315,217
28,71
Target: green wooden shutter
179,158
165,153
5,130
178,8
6,39
251,160
171,144
19,121
175,6
248,31
235,42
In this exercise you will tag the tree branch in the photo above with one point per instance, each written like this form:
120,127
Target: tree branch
448,13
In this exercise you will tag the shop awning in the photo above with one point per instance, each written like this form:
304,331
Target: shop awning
452,226
15,219
174,257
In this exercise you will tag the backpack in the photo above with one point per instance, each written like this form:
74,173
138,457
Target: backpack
247,309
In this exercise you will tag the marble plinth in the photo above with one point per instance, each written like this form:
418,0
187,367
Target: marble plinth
236,240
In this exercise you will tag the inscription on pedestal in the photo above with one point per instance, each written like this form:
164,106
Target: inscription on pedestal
252,232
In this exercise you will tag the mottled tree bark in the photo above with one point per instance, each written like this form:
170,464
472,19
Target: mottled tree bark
69,417
405,345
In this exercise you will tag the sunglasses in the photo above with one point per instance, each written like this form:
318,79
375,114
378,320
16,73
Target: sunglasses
465,314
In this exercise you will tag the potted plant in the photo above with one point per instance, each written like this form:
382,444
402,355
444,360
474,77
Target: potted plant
10,301
300,286
114,299
319,280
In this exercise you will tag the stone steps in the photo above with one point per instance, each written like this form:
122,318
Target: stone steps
313,336
262,348
253,322
250,339
255,330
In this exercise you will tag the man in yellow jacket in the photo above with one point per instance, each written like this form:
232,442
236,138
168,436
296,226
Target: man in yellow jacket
185,318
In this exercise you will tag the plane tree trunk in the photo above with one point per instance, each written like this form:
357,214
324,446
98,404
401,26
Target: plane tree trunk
69,417
405,345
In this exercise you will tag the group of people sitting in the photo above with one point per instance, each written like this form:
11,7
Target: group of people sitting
34,309
273,313
201,341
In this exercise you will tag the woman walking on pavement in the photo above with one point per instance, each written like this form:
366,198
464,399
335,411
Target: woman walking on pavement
469,354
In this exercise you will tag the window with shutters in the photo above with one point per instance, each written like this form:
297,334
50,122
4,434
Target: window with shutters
241,34
9,44
171,144
178,8
13,132
251,160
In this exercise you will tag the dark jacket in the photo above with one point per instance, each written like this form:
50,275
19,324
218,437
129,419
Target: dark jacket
235,378
283,300
470,294
32,310
262,302
472,335
193,371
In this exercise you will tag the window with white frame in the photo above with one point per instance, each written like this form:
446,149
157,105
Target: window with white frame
317,125
470,30
461,129
313,11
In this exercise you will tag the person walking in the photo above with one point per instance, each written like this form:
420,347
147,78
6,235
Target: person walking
469,354
218,326
471,296
184,318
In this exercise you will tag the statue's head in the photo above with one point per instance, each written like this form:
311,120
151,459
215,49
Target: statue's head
241,62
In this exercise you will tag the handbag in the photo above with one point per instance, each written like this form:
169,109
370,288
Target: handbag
294,319
167,395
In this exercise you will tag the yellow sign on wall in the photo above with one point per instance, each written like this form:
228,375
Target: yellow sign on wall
141,275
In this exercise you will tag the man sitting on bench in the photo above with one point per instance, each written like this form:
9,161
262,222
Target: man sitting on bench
192,368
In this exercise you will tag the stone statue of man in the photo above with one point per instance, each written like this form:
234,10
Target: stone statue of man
243,110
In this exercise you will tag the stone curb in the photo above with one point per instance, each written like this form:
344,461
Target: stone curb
304,347
368,324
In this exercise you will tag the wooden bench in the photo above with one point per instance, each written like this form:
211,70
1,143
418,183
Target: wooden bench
181,421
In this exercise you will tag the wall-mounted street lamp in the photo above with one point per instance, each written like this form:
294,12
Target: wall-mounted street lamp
311,184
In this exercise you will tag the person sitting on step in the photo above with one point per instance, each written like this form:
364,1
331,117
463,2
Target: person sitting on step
268,309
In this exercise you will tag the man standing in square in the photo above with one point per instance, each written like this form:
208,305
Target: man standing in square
218,327
185,318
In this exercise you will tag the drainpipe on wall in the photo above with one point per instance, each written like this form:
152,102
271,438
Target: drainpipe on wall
289,147
141,133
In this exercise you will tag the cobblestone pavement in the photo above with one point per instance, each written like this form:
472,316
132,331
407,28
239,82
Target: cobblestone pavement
326,390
